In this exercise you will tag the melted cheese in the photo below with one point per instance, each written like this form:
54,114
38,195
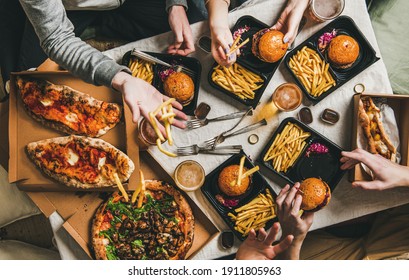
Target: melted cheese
71,117
101,162
46,102
72,158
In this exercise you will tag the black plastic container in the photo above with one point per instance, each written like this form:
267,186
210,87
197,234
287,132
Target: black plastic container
367,55
257,185
324,166
249,61
189,62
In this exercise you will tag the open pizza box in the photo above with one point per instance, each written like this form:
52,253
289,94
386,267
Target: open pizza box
23,130
400,106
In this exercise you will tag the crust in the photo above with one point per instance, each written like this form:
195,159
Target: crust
123,162
98,243
73,94
364,122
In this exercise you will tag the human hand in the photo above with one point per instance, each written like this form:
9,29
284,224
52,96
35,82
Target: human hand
386,174
260,247
293,222
290,18
222,39
183,44
143,98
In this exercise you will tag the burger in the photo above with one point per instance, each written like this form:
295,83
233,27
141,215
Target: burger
268,45
315,194
230,174
343,51
180,86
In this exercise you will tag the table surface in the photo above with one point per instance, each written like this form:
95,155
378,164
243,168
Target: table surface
346,203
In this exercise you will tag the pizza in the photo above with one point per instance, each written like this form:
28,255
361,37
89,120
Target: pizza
80,161
67,110
370,120
162,228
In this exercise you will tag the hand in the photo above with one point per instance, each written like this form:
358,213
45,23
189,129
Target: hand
221,42
290,18
387,174
292,220
183,44
260,247
143,98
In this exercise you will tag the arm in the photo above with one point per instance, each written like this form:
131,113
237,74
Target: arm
293,221
220,32
387,174
179,23
290,18
57,38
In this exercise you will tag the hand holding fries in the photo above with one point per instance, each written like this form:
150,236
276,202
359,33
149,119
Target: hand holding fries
255,214
286,147
311,71
237,80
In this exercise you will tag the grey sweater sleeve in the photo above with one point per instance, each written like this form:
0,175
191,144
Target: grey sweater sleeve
170,3
57,38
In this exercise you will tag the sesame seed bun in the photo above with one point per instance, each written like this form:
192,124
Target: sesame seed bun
343,51
230,174
315,194
269,46
180,86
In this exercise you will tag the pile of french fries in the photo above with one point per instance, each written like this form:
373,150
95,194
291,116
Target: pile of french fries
167,118
242,175
254,214
237,80
312,71
286,147
141,69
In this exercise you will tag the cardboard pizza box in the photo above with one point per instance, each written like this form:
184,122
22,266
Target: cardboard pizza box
400,106
23,130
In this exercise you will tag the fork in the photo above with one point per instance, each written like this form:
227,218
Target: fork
196,123
212,142
195,149
152,59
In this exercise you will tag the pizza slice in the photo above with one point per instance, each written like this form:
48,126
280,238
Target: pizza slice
162,228
67,110
81,162
370,120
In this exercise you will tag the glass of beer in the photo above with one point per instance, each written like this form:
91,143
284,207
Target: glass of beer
323,10
287,97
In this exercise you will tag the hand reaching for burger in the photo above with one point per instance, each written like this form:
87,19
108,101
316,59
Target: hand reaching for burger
293,221
386,174
290,18
183,44
143,98
259,246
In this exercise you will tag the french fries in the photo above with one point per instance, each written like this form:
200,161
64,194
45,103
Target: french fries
254,214
121,187
141,69
141,195
237,80
235,46
139,188
311,71
286,147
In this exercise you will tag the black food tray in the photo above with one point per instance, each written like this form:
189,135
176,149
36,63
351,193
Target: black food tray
249,61
257,185
189,62
324,166
367,55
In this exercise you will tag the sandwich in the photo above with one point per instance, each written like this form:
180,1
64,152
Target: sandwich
180,86
268,45
230,174
343,51
369,118
315,193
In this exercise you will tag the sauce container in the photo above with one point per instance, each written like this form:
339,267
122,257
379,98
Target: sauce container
305,115
330,116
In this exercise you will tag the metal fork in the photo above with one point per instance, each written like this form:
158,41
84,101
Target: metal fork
212,142
152,59
196,123
195,149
